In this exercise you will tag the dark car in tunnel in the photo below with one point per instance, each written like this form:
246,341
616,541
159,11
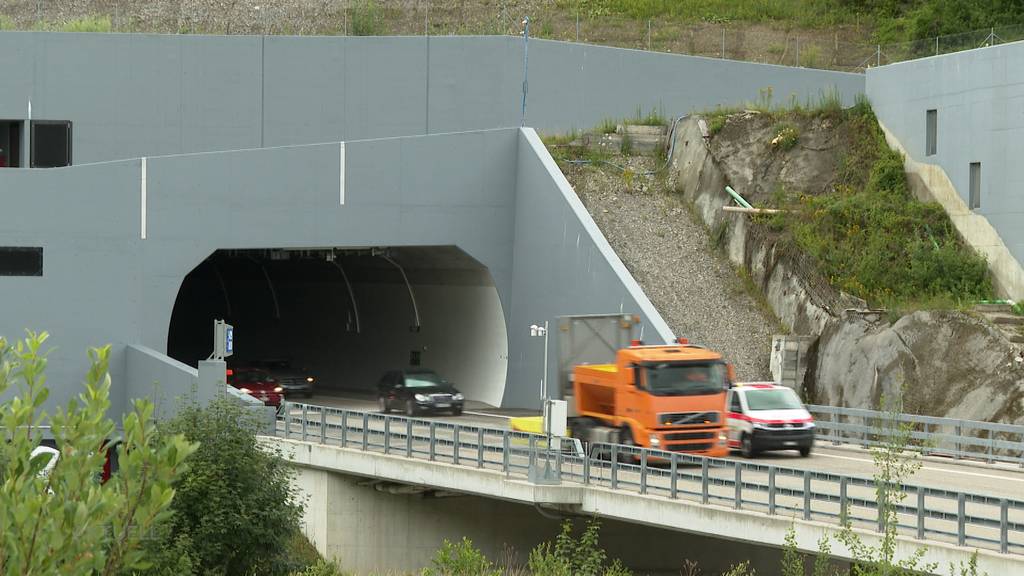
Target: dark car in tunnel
294,381
416,391
257,383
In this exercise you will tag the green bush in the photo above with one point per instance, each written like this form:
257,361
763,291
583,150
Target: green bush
235,506
572,556
461,559
56,517
88,24
873,239
320,568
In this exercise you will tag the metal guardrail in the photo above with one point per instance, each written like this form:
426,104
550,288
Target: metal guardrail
965,519
930,435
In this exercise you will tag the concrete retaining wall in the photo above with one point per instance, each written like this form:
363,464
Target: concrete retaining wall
131,95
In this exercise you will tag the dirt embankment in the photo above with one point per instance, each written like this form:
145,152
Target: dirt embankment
670,254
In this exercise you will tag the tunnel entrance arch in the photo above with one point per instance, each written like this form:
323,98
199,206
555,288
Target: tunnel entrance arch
347,315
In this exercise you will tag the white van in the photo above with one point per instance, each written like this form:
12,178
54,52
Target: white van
764,416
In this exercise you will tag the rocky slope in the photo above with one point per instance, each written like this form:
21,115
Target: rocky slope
670,254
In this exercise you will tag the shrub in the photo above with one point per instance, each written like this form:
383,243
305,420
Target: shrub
88,24
461,559
570,556
236,504
56,517
787,136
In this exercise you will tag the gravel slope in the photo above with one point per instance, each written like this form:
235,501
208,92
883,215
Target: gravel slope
670,254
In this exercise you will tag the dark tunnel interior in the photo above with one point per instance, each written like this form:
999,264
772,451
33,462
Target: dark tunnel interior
345,316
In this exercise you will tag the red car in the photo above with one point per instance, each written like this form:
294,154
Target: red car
257,383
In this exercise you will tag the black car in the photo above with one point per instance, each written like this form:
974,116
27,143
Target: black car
415,391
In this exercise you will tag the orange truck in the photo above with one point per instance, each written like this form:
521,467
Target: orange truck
668,397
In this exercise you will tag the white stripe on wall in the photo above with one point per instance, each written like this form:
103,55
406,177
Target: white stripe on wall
142,192
341,176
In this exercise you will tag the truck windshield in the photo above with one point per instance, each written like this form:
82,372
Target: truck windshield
690,379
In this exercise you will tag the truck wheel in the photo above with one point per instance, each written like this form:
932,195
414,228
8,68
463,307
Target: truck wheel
410,408
747,446
626,439
382,403
805,451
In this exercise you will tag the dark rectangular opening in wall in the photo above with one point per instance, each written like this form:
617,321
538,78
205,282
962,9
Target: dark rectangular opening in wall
21,261
931,132
975,185
51,143
10,143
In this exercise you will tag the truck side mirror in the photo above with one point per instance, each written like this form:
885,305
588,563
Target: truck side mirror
730,372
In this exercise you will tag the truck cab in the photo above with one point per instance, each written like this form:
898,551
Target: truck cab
669,397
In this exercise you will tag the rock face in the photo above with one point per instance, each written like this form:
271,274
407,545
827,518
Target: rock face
948,364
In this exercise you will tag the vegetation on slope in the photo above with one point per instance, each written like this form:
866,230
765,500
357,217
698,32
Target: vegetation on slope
870,237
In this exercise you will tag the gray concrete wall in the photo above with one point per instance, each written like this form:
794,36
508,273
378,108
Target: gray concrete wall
562,265
167,382
495,194
979,98
132,95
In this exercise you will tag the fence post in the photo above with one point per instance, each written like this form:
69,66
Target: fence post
797,51
366,429
958,431
387,434
771,490
739,485
504,450
305,420
323,425
723,42
344,429
1004,526
673,468
643,470
577,26
648,34
433,442
704,480
843,501
961,519
479,447
455,445
878,55
615,467
408,438
586,467
920,513
807,494
287,421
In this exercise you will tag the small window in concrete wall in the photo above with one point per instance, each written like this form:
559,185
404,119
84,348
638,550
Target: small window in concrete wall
931,132
21,261
10,143
51,143
975,200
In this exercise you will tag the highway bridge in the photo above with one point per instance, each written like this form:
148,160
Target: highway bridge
952,507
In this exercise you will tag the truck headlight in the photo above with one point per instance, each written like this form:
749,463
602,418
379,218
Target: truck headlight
421,397
458,396
654,440
309,379
723,439
278,389
245,391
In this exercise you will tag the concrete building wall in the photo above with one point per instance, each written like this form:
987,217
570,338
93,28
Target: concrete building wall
132,95
978,96
112,270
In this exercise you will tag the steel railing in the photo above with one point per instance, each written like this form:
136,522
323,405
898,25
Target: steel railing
965,519
955,438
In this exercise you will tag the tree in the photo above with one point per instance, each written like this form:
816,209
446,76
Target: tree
235,506
64,520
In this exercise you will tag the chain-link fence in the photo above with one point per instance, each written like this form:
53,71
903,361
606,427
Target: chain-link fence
839,48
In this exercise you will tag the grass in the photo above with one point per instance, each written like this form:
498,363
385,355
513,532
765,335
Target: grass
873,239
814,13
